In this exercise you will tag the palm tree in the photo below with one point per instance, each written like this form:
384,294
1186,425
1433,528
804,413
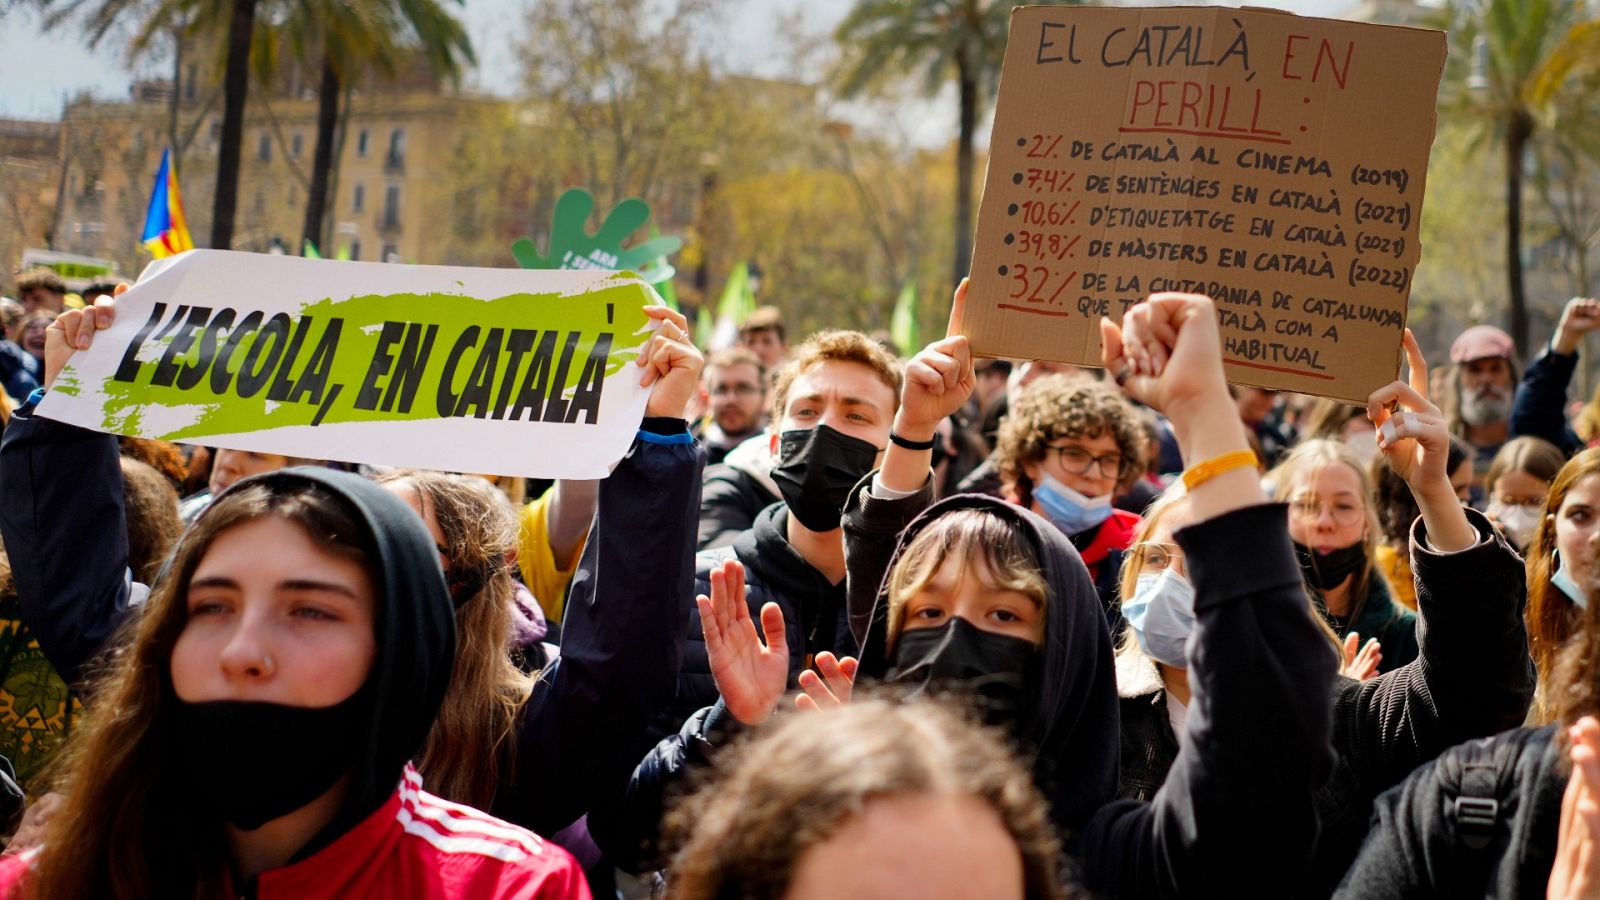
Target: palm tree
1512,62
162,18
967,38
344,38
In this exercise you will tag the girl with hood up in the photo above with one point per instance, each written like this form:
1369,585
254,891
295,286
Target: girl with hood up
988,599
253,738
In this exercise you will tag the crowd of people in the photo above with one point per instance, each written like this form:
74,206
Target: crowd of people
839,623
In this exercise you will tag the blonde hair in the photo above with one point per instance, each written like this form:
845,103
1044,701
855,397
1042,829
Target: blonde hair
797,783
474,737
1535,457
1172,498
991,549
1302,464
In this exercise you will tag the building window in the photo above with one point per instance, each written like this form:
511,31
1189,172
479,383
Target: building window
295,145
391,207
355,249
397,149
361,143
391,253
264,148
358,201
189,77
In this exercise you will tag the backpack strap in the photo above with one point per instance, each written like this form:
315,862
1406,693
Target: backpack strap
1477,803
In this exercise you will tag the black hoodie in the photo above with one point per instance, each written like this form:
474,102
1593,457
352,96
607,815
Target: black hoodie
1236,816
1072,707
416,638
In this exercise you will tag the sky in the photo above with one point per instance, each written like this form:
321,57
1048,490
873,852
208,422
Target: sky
39,70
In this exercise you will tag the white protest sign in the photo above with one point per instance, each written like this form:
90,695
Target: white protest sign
497,371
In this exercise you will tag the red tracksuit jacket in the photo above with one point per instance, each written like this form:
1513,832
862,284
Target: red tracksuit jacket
415,845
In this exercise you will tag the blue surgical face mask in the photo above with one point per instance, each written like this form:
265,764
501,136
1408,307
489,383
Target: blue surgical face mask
1564,583
1161,614
1067,509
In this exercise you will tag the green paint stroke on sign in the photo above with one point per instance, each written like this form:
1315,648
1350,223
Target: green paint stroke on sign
377,357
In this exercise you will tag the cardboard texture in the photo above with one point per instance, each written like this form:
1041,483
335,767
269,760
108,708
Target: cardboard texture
1274,162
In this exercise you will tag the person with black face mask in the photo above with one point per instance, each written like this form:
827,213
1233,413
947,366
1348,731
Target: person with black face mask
253,738
833,402
1237,816
1335,530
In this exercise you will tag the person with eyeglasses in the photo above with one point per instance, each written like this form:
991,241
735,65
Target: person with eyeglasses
735,383
1068,446
1519,480
1334,523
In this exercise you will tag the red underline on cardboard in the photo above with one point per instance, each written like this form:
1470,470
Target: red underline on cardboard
1254,138
1284,369
1038,312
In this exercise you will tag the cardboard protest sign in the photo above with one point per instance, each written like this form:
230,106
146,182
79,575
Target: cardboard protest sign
1273,162
504,372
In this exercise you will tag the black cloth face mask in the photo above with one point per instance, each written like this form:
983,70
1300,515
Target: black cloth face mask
1329,570
962,656
816,469
254,762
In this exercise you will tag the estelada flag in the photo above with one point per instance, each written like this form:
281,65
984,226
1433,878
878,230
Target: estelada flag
166,231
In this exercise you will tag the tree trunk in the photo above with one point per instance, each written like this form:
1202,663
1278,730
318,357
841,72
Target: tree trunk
1518,130
235,91
967,76
322,159
172,108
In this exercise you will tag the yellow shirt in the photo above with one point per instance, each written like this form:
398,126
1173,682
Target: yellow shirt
1396,569
547,579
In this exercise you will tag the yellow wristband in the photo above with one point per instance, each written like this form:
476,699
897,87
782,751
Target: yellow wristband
1211,468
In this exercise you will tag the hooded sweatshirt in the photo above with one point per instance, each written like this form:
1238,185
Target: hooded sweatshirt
390,838
1237,814
1072,705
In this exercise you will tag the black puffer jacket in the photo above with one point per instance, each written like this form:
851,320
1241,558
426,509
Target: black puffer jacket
1473,679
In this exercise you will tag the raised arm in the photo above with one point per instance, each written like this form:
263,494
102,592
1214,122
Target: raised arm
1540,406
938,382
1260,670
62,517
1472,677
625,614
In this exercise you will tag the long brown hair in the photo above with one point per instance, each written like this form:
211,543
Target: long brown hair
1552,618
795,784
130,827
150,508
474,737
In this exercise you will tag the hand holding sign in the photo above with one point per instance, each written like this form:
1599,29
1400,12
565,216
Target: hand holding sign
671,364
504,371
74,330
